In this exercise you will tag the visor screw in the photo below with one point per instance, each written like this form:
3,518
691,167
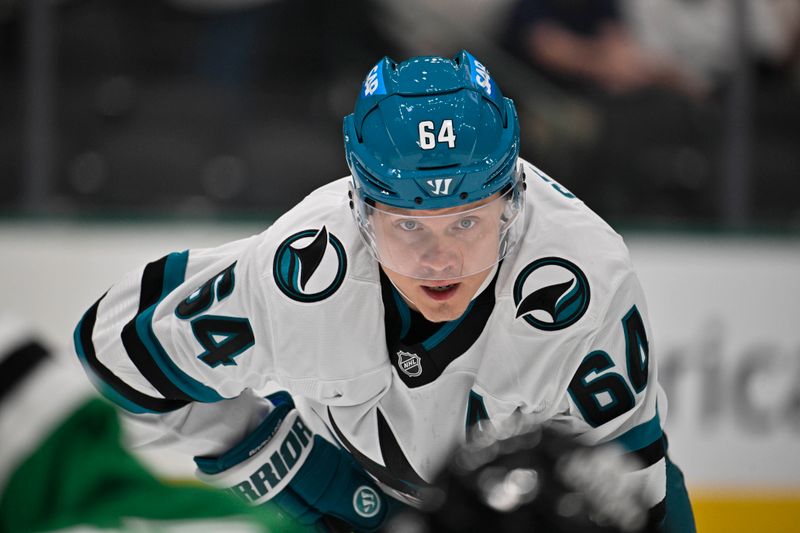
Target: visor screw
463,195
351,204
418,200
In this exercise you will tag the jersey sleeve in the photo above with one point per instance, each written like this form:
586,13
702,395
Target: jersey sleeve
178,330
614,395
63,466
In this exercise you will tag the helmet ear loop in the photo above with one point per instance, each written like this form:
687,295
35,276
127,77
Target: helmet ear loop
361,219
516,206
361,216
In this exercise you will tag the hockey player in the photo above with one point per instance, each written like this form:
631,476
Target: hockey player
63,467
445,283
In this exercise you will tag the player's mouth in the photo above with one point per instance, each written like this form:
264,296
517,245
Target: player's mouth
441,292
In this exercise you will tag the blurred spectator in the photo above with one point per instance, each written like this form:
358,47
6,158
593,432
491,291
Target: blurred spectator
209,106
229,38
650,155
756,48
698,34
586,43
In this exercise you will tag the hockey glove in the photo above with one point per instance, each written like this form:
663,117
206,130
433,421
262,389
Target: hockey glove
310,479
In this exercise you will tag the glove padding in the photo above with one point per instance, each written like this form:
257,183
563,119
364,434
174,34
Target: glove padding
283,462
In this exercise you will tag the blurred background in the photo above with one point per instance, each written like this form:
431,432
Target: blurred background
132,129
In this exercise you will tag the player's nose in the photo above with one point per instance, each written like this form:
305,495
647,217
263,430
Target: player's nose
442,257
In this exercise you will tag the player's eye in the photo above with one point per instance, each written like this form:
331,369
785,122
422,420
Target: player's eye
408,225
467,223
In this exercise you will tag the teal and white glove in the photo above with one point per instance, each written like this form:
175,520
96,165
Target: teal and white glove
284,463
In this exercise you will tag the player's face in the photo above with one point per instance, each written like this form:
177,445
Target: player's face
438,259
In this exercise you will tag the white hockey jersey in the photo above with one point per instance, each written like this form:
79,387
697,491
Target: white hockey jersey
192,342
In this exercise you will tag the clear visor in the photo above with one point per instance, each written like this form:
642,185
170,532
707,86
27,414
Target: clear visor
424,245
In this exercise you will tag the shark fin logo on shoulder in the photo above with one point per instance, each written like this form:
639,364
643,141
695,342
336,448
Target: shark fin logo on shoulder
310,265
551,293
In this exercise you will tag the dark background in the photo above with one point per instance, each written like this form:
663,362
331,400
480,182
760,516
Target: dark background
233,109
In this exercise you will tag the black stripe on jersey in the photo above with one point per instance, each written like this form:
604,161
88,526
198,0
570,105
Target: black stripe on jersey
656,515
158,405
152,285
650,454
393,456
379,472
18,364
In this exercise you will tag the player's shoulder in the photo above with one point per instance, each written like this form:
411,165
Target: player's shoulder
553,293
321,287
558,218
566,245
321,204
315,247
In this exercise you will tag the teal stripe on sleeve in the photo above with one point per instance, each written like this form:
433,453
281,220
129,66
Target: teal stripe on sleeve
174,274
642,435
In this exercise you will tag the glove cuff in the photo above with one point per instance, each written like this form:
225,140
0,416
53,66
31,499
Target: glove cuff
265,462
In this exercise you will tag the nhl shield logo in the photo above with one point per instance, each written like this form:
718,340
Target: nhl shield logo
409,363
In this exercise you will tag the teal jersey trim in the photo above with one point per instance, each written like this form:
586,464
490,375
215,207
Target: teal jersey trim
642,435
445,330
174,274
405,322
405,314
104,389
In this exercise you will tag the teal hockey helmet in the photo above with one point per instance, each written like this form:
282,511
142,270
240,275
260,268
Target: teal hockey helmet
431,133
433,150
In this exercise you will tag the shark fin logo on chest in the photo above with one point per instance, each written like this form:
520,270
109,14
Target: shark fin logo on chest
310,265
551,294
